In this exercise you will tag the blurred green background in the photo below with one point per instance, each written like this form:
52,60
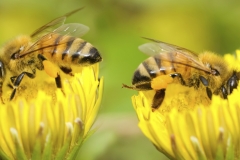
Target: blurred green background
116,28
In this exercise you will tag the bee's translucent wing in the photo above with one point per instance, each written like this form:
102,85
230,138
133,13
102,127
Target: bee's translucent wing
46,33
53,24
175,54
156,47
72,29
48,27
66,30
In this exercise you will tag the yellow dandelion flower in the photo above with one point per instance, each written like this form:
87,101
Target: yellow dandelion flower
51,129
183,129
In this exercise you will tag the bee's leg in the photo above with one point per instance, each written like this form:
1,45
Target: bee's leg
232,83
53,74
224,92
208,90
2,75
158,98
17,80
204,81
58,81
66,70
173,75
13,79
209,93
1,93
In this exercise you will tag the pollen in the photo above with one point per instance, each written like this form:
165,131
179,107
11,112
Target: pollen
50,68
161,82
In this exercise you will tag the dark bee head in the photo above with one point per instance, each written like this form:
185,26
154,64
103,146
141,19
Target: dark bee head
2,72
91,58
232,83
2,75
13,48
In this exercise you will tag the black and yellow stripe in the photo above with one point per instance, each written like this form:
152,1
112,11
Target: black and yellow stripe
69,50
161,64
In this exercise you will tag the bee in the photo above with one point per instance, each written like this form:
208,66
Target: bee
53,43
173,64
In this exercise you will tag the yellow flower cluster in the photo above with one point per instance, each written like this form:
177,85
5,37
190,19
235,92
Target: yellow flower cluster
51,129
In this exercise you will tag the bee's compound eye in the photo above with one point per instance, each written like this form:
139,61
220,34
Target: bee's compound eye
232,83
15,55
209,93
204,81
2,74
224,92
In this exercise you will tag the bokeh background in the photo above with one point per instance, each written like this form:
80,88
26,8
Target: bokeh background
116,28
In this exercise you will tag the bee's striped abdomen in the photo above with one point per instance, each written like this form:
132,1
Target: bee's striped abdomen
75,56
69,50
55,44
155,66
145,72
68,47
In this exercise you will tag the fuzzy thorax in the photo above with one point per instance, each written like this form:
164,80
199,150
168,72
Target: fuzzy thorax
216,62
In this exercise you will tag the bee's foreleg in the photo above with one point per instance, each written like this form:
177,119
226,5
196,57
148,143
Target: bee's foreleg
209,93
206,84
232,83
17,80
224,92
2,75
1,93
204,81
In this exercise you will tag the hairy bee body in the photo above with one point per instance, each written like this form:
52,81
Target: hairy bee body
172,64
54,44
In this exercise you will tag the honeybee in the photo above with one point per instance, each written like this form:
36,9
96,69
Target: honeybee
172,64
54,42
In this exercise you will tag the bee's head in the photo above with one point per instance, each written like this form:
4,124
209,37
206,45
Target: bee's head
2,73
232,83
13,48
